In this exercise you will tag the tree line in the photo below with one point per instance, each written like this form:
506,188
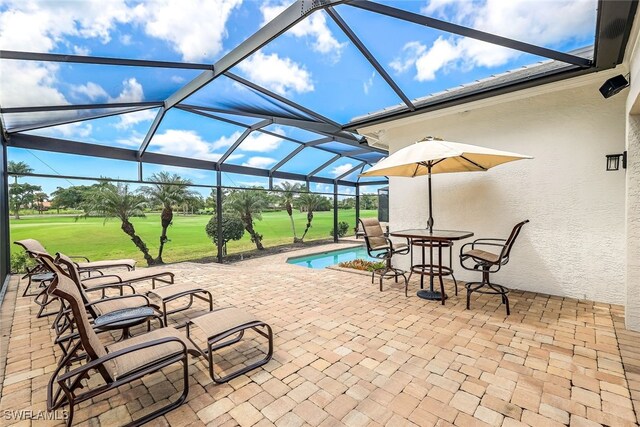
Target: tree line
168,192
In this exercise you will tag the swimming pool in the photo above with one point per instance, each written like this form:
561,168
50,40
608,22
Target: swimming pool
326,259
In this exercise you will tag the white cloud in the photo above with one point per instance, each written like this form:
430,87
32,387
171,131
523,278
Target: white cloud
90,90
70,130
517,19
37,26
259,162
410,53
131,119
281,75
314,27
184,143
195,28
40,26
187,143
131,92
26,83
177,79
225,142
261,142
366,85
81,50
133,140
251,184
442,52
339,170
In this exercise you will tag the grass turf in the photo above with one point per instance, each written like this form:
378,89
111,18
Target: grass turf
99,239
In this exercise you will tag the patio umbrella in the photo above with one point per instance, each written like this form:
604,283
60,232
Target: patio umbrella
433,155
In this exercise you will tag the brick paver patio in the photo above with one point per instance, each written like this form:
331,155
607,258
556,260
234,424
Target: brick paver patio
349,354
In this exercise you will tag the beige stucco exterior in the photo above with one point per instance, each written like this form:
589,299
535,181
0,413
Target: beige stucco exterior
580,214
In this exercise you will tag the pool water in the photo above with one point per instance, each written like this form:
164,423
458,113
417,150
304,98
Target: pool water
326,259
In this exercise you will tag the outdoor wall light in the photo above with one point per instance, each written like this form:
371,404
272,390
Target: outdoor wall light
613,86
613,161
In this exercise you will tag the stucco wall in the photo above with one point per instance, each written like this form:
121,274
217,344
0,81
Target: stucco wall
575,243
632,305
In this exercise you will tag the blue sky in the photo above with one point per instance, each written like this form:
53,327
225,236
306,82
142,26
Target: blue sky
313,64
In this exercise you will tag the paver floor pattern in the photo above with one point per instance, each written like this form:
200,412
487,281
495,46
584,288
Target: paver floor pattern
347,354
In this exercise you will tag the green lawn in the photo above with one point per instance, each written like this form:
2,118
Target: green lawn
97,239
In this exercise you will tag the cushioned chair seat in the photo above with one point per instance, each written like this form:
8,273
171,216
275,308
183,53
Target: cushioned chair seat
128,362
483,255
223,320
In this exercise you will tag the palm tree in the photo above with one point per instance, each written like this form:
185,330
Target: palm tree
287,197
310,202
116,201
167,190
40,197
249,205
18,169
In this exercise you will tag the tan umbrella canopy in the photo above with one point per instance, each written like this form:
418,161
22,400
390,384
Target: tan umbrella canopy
433,155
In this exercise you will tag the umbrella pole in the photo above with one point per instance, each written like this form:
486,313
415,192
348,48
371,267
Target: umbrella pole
430,221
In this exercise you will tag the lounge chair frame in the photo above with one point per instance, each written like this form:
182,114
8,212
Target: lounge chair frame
69,382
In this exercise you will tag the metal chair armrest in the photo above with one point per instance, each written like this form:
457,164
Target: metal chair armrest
405,250
100,361
80,257
101,300
489,240
474,244
103,288
102,276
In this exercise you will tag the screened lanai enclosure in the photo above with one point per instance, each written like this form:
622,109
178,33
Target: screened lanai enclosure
286,100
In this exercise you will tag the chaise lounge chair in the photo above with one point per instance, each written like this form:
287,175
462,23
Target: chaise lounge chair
36,274
32,245
117,364
122,278
96,305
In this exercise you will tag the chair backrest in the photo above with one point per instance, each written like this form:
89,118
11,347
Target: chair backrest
506,250
70,265
373,234
64,287
72,271
31,245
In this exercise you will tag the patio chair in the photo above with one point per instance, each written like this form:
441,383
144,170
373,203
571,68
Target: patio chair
96,306
161,296
489,262
381,247
32,245
117,364
120,279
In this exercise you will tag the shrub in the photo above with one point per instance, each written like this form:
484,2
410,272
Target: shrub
361,264
20,261
343,229
232,228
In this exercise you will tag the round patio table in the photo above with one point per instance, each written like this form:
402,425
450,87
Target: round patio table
125,319
436,239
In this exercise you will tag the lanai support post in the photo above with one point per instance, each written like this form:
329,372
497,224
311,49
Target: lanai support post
335,211
5,258
219,214
357,205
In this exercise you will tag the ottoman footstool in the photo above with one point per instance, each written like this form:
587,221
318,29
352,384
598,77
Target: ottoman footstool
169,293
221,324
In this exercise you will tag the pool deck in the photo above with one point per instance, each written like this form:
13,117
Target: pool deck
347,354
